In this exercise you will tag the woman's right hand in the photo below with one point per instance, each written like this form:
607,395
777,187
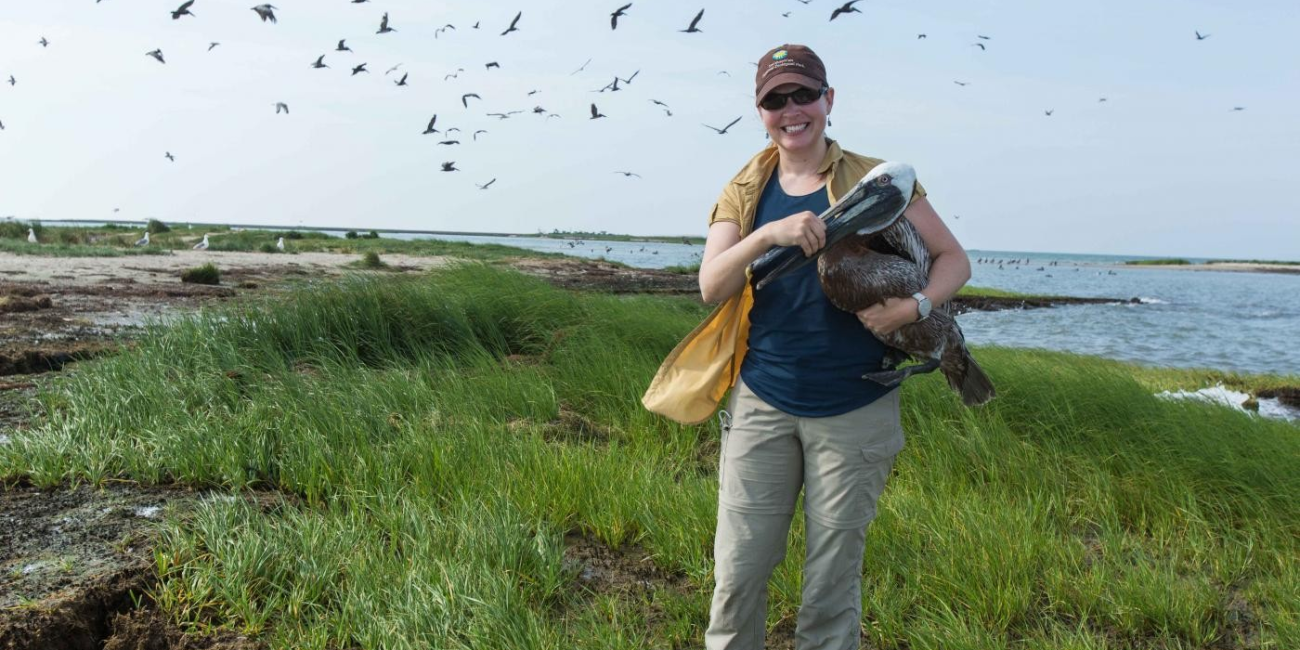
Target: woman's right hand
803,229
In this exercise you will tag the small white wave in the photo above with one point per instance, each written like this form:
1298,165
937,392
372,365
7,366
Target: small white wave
1214,395
1150,301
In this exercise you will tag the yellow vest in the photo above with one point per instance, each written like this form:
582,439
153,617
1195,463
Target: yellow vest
692,381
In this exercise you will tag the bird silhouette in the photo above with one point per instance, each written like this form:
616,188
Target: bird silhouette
785,15
1049,112
169,156
266,11
360,68
45,43
486,185
1102,99
514,22
464,99
1238,108
183,10
320,62
1200,36
443,29
449,166
429,129
979,45
723,130
845,8
981,36
392,69
341,47
13,81
157,54
212,45
281,106
594,113
920,36
383,25
961,83
402,81
628,81
454,74
492,64
2,126
695,21
621,11
580,68
475,135
450,142
143,241
203,245
31,236
627,174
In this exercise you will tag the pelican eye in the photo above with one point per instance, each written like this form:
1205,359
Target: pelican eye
883,180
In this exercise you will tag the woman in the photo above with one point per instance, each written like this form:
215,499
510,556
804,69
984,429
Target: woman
800,414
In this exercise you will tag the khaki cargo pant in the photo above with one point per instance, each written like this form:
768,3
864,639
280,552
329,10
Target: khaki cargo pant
841,463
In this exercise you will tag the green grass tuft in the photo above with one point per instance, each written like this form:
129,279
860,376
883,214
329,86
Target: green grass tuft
206,274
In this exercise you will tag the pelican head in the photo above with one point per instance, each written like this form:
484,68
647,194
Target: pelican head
874,204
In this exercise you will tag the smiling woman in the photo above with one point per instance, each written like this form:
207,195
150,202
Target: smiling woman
804,417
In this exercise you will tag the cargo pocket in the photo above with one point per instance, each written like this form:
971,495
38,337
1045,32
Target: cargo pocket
878,460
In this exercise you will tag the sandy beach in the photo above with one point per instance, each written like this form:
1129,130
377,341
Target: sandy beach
1236,267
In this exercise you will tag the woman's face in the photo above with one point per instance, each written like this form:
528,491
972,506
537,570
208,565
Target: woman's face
795,127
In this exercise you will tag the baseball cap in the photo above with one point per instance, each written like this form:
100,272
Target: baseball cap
788,64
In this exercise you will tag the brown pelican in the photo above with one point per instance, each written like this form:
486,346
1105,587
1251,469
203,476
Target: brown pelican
691,29
845,9
320,62
383,25
621,11
449,166
183,10
872,253
595,113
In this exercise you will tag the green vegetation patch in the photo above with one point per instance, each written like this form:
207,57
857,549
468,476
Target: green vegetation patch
206,274
441,444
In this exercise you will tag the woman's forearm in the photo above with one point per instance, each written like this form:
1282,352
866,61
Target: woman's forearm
949,272
724,275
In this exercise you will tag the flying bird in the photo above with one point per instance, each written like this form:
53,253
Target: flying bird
183,10
429,129
1238,108
13,81
580,68
443,29
212,45
464,99
1101,100
320,62
920,36
449,166
594,113
392,69
1200,36
157,54
281,106
266,11
383,25
475,136
845,9
45,43
512,27
170,156
981,36
2,126
454,74
627,174
450,142
961,83
621,11
341,47
629,79
203,245
980,46
695,21
486,185
492,64
360,68
402,81
1049,112
723,130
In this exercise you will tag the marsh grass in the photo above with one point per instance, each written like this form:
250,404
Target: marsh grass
409,426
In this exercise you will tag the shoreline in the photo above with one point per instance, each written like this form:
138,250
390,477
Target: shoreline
1231,267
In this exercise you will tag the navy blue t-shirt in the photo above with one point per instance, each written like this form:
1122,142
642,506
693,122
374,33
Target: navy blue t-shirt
806,356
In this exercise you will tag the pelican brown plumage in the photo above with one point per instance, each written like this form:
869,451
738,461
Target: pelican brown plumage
873,253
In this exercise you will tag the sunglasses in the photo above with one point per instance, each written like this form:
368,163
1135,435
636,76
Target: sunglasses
803,96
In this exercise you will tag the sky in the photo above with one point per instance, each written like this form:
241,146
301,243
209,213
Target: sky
1164,166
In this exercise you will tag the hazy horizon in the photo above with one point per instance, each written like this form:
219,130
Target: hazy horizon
1164,167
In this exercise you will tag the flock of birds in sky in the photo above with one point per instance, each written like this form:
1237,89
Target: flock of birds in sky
266,13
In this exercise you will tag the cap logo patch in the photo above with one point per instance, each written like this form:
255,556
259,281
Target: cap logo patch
779,54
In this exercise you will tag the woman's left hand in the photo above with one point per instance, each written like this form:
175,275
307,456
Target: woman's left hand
883,319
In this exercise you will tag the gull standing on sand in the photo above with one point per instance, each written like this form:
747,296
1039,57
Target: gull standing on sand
143,241
31,236
279,244
203,245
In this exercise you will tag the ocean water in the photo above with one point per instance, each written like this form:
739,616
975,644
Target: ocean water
1247,322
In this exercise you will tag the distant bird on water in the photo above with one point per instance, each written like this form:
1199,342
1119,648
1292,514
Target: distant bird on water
692,29
143,241
266,11
383,25
621,11
723,130
514,22
157,54
846,8
183,10
203,245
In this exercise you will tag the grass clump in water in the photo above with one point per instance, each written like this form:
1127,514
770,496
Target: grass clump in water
422,433
206,274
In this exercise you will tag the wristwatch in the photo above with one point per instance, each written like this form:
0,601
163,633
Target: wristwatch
922,306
